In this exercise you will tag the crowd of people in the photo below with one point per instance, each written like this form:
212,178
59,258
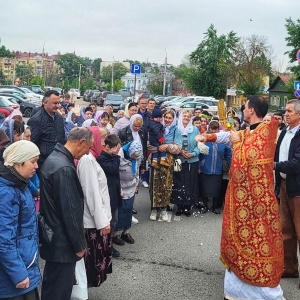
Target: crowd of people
79,169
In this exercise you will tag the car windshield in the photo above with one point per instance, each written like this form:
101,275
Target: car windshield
114,98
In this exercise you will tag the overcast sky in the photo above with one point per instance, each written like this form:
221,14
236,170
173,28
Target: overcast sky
141,30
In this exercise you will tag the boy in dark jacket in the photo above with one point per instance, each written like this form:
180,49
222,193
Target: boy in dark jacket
110,163
156,138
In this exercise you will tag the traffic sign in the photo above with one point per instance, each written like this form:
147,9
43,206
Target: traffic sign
298,55
296,85
135,69
297,93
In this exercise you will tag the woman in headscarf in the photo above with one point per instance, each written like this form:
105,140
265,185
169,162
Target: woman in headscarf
185,190
19,272
97,214
14,131
15,115
161,179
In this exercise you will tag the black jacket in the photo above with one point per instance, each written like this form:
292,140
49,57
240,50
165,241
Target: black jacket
62,206
46,132
156,131
291,167
126,137
110,165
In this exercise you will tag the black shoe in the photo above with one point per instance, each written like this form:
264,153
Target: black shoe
115,253
178,213
127,238
118,241
169,208
216,211
134,211
187,212
203,210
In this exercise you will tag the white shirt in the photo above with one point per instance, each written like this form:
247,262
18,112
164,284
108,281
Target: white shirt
285,146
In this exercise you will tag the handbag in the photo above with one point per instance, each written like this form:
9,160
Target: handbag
80,289
225,166
177,165
45,232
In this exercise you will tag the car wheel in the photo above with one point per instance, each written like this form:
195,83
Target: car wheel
27,112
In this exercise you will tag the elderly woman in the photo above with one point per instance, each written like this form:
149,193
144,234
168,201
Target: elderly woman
161,179
19,272
186,190
97,214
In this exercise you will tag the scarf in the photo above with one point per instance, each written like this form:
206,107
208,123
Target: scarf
97,147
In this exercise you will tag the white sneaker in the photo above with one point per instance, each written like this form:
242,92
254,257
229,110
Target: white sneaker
164,216
134,220
153,215
145,184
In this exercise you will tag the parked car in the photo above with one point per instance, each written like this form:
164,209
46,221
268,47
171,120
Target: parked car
173,101
90,95
30,94
96,97
58,89
192,105
35,89
25,107
114,100
85,94
22,95
76,92
9,103
102,97
5,109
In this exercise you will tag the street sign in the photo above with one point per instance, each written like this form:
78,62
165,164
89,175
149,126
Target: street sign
135,69
297,94
298,55
296,85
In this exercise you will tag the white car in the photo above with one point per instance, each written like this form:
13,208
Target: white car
75,92
213,110
32,95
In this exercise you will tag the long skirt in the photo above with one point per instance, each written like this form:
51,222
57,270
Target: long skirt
185,185
98,258
160,185
210,185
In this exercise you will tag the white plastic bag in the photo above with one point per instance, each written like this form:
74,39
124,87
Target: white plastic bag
80,290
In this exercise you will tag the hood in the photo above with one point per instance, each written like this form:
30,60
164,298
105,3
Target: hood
17,181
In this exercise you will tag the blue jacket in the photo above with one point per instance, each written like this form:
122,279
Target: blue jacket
192,147
19,255
34,185
173,136
212,163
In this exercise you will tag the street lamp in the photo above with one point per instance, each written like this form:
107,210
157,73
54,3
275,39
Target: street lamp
112,75
165,74
79,78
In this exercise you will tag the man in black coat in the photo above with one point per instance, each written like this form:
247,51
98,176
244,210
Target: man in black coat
62,207
47,126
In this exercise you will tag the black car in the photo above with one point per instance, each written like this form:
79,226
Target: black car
90,95
34,88
85,95
114,100
25,107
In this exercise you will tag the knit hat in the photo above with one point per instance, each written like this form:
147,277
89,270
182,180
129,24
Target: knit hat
157,113
20,152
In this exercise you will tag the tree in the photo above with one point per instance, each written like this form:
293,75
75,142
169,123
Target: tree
24,72
211,63
37,80
253,64
119,71
156,87
96,67
6,53
70,66
2,78
293,40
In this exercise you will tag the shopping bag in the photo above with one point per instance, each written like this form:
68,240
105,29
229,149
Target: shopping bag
80,290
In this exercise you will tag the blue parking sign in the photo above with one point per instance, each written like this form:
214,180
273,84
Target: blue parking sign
135,69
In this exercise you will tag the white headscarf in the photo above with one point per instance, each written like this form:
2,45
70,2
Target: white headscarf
188,128
135,134
20,152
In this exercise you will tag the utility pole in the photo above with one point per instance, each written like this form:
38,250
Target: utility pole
79,78
112,75
165,74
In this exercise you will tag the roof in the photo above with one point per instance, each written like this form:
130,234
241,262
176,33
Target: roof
283,77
